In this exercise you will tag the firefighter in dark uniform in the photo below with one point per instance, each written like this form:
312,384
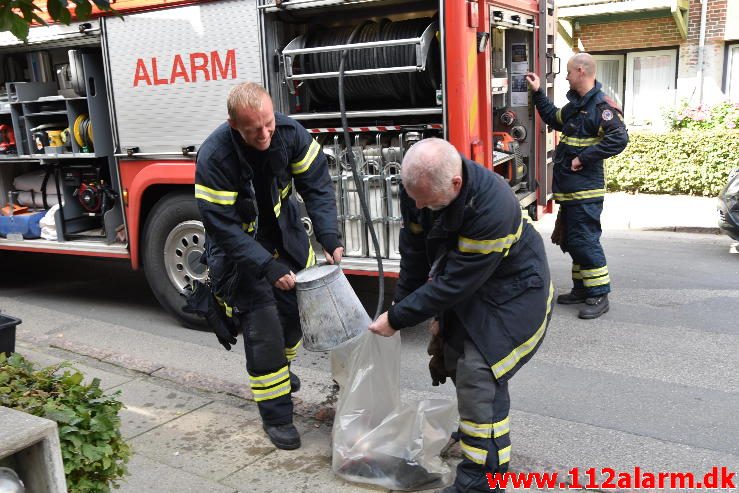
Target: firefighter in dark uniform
592,129
470,259
256,242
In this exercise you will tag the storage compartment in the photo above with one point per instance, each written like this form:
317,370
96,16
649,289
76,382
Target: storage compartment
393,69
512,51
56,146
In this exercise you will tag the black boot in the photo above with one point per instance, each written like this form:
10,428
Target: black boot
573,297
594,307
294,383
285,437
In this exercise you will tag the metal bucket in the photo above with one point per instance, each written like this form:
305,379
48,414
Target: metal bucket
330,312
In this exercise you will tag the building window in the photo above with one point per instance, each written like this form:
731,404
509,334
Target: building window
609,70
650,86
732,73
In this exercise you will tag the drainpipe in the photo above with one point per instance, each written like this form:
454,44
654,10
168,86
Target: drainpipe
701,49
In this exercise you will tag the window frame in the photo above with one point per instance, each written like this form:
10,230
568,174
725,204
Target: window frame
629,89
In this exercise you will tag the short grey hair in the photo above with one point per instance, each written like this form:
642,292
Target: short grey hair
247,95
433,161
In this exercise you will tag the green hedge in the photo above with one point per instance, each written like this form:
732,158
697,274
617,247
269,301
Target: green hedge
683,162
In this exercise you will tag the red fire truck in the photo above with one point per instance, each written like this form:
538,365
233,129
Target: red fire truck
104,117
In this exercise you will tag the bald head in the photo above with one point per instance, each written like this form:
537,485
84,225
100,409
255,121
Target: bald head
432,173
586,61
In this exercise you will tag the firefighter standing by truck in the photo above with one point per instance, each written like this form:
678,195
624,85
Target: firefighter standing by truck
255,240
592,129
469,258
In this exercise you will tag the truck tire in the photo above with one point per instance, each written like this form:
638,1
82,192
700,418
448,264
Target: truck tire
174,239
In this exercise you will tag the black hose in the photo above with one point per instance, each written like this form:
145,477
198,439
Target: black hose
417,88
358,184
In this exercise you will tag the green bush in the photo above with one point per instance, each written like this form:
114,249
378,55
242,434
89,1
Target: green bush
684,162
94,452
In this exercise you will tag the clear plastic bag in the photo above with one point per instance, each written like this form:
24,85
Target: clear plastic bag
376,439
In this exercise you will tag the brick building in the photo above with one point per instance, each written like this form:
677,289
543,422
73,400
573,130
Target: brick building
653,54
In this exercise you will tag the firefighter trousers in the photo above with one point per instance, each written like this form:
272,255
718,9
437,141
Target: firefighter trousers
582,242
484,428
272,335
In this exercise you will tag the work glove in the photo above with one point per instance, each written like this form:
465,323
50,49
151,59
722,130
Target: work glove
437,369
202,302
559,233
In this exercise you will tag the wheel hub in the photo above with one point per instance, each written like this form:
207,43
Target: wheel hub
182,250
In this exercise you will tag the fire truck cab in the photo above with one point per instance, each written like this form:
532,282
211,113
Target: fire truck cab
103,118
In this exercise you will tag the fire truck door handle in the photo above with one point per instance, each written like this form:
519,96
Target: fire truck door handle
552,61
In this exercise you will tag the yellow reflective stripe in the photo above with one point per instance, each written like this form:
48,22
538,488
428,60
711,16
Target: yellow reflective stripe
600,281
285,191
600,271
270,379
221,197
559,116
576,274
506,364
271,393
501,427
249,228
311,256
415,228
504,455
579,141
310,156
468,245
476,455
278,208
292,352
479,430
585,194
485,430
228,309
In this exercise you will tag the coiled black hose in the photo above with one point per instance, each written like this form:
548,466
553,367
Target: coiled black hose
416,88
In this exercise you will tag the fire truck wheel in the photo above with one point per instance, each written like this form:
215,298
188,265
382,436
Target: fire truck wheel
174,239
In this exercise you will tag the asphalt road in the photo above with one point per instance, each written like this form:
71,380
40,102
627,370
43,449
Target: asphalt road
652,383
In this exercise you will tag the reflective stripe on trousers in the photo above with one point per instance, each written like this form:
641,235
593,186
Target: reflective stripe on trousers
484,405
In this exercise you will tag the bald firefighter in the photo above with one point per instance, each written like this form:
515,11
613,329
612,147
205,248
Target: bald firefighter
592,129
469,259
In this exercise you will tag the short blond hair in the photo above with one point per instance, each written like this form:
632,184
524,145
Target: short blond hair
247,95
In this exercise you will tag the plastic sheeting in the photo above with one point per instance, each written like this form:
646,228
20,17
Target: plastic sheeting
377,439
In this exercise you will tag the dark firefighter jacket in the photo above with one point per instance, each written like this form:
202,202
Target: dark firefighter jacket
225,191
479,258
593,129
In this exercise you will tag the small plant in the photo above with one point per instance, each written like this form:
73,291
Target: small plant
94,453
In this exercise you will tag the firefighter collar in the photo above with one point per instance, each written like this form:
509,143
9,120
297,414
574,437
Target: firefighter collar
574,98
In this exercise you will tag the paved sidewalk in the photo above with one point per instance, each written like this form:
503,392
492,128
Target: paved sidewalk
198,430
676,213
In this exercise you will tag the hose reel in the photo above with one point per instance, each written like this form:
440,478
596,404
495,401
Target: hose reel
399,64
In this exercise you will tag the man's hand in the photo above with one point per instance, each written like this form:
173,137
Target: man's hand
382,327
576,165
433,328
336,257
533,81
286,282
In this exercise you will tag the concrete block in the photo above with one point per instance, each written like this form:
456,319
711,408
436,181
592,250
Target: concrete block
31,444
